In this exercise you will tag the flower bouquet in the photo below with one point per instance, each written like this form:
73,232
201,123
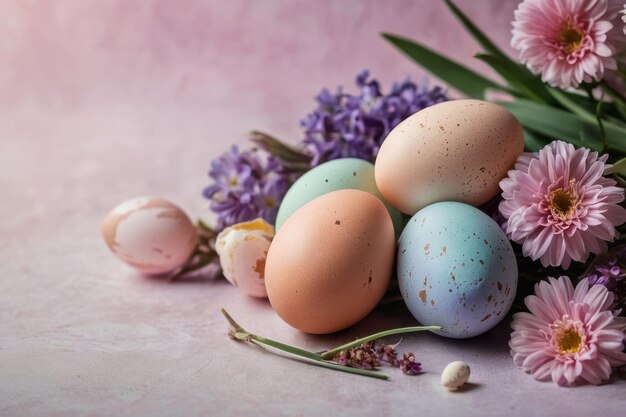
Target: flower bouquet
463,209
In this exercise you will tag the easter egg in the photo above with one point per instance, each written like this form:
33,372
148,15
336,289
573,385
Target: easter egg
453,151
242,249
456,269
331,262
150,234
338,174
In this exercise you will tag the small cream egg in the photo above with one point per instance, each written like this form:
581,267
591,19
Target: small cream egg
242,249
455,375
150,234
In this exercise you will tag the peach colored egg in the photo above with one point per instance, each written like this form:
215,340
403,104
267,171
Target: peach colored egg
242,249
331,261
150,234
453,151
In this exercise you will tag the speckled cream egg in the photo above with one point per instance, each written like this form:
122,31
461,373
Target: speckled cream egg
242,249
456,269
338,174
150,234
331,262
453,151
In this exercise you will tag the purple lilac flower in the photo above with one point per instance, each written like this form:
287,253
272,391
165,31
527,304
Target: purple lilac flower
610,272
245,187
345,125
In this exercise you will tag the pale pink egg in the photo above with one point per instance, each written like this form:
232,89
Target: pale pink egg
150,234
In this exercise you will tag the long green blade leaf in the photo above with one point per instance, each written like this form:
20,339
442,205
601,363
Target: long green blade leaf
517,75
524,82
449,71
532,141
561,124
572,106
480,37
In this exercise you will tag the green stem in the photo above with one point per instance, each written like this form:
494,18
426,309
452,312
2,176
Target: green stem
285,348
205,227
332,352
204,260
317,361
242,335
600,123
280,149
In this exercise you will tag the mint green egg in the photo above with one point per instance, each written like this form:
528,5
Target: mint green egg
338,174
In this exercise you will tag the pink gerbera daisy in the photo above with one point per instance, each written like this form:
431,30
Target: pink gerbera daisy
558,205
569,335
566,41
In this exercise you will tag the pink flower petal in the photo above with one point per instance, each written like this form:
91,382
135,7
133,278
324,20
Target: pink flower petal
558,307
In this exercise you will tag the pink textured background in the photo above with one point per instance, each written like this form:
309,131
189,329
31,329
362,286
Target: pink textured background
106,100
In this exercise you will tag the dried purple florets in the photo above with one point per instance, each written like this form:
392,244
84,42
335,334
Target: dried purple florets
408,365
245,187
370,356
345,125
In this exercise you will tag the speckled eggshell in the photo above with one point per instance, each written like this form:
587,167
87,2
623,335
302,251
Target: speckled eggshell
331,262
456,269
242,249
150,234
453,151
338,174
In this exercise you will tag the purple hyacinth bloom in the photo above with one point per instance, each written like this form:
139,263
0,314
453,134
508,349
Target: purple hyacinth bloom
610,272
345,125
245,187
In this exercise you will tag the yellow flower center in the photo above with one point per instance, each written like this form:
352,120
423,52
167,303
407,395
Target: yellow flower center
571,38
568,335
563,202
569,341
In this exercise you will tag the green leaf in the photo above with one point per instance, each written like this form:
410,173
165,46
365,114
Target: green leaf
456,75
521,80
532,141
560,124
618,99
278,148
480,37
569,104
618,168
517,75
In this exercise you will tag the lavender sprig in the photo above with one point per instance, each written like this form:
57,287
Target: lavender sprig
370,356
329,354
325,360
238,333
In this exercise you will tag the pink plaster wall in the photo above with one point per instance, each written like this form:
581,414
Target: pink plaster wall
260,61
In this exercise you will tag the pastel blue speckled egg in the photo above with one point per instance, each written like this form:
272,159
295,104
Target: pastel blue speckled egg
456,269
338,174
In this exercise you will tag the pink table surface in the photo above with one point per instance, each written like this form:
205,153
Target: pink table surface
101,101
